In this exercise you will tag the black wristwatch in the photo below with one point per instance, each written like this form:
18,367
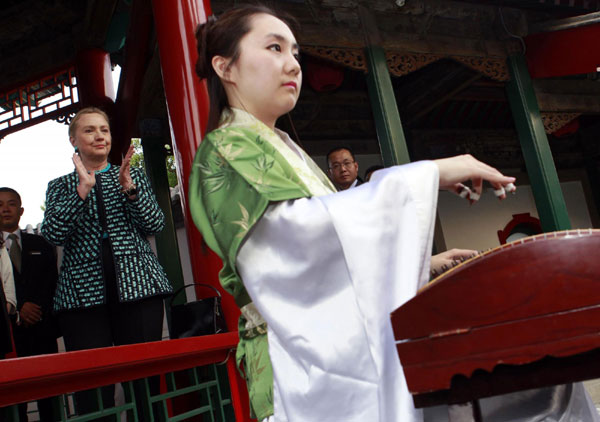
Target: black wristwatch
130,191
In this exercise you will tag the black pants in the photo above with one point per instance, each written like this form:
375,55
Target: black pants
113,324
104,326
39,339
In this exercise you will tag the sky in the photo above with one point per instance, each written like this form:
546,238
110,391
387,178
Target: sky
29,159
32,157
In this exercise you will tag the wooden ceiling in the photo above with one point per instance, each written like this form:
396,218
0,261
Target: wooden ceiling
40,36
446,106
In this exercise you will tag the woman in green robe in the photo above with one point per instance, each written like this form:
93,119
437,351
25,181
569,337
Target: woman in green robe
244,169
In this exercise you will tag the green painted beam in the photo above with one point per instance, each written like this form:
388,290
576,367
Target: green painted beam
536,150
116,33
385,110
167,247
588,137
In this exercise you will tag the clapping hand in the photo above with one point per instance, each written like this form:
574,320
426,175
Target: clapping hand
124,173
87,180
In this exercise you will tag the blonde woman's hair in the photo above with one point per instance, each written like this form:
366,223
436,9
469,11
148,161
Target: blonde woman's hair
86,110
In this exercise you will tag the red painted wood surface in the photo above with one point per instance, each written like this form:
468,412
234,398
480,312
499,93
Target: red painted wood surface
29,378
131,79
94,79
517,304
560,53
188,103
525,219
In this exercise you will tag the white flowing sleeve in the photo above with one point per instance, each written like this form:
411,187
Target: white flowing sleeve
325,273
8,282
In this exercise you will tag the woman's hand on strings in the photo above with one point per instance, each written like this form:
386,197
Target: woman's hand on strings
446,260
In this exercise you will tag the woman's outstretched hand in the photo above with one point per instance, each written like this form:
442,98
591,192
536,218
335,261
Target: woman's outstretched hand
124,173
87,180
455,170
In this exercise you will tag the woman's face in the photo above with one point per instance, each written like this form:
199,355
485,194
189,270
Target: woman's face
92,137
266,79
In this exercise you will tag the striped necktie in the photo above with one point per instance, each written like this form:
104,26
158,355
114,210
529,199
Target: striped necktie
15,251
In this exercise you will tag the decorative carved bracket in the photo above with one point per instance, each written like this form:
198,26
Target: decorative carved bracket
349,57
402,63
555,121
495,69
66,118
38,100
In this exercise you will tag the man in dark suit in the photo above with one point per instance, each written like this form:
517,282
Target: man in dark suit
343,168
5,339
35,273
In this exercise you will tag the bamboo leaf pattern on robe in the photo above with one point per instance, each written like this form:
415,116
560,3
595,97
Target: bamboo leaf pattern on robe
214,218
244,223
258,365
229,153
217,174
263,164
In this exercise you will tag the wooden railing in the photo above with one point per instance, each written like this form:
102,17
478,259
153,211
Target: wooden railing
31,378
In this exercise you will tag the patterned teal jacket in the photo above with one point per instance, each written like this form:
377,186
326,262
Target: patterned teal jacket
73,223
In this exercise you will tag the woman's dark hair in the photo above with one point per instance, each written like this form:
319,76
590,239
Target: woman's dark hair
221,37
372,169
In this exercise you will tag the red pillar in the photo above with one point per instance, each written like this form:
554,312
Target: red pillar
132,78
187,101
94,79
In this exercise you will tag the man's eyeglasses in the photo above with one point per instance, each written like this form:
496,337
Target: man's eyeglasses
338,166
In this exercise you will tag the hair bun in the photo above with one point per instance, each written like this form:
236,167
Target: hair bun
203,65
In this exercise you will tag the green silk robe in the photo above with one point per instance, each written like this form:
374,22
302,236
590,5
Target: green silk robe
239,169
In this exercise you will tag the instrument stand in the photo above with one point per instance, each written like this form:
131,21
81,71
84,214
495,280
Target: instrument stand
465,412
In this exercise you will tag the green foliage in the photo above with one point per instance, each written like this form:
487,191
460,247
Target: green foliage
171,171
137,160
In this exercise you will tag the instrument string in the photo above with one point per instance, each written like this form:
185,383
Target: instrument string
446,269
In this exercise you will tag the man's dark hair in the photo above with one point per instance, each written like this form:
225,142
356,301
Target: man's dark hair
11,190
336,149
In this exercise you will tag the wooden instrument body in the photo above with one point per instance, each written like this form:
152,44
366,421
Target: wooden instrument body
524,315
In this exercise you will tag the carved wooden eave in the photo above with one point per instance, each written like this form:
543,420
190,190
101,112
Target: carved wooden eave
568,96
353,58
401,63
555,121
493,68
562,101
413,35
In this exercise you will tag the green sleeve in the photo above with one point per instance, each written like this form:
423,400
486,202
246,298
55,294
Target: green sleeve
235,176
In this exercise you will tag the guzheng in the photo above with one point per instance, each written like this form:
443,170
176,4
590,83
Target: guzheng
523,315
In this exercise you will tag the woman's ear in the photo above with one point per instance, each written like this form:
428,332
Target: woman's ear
72,140
221,66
